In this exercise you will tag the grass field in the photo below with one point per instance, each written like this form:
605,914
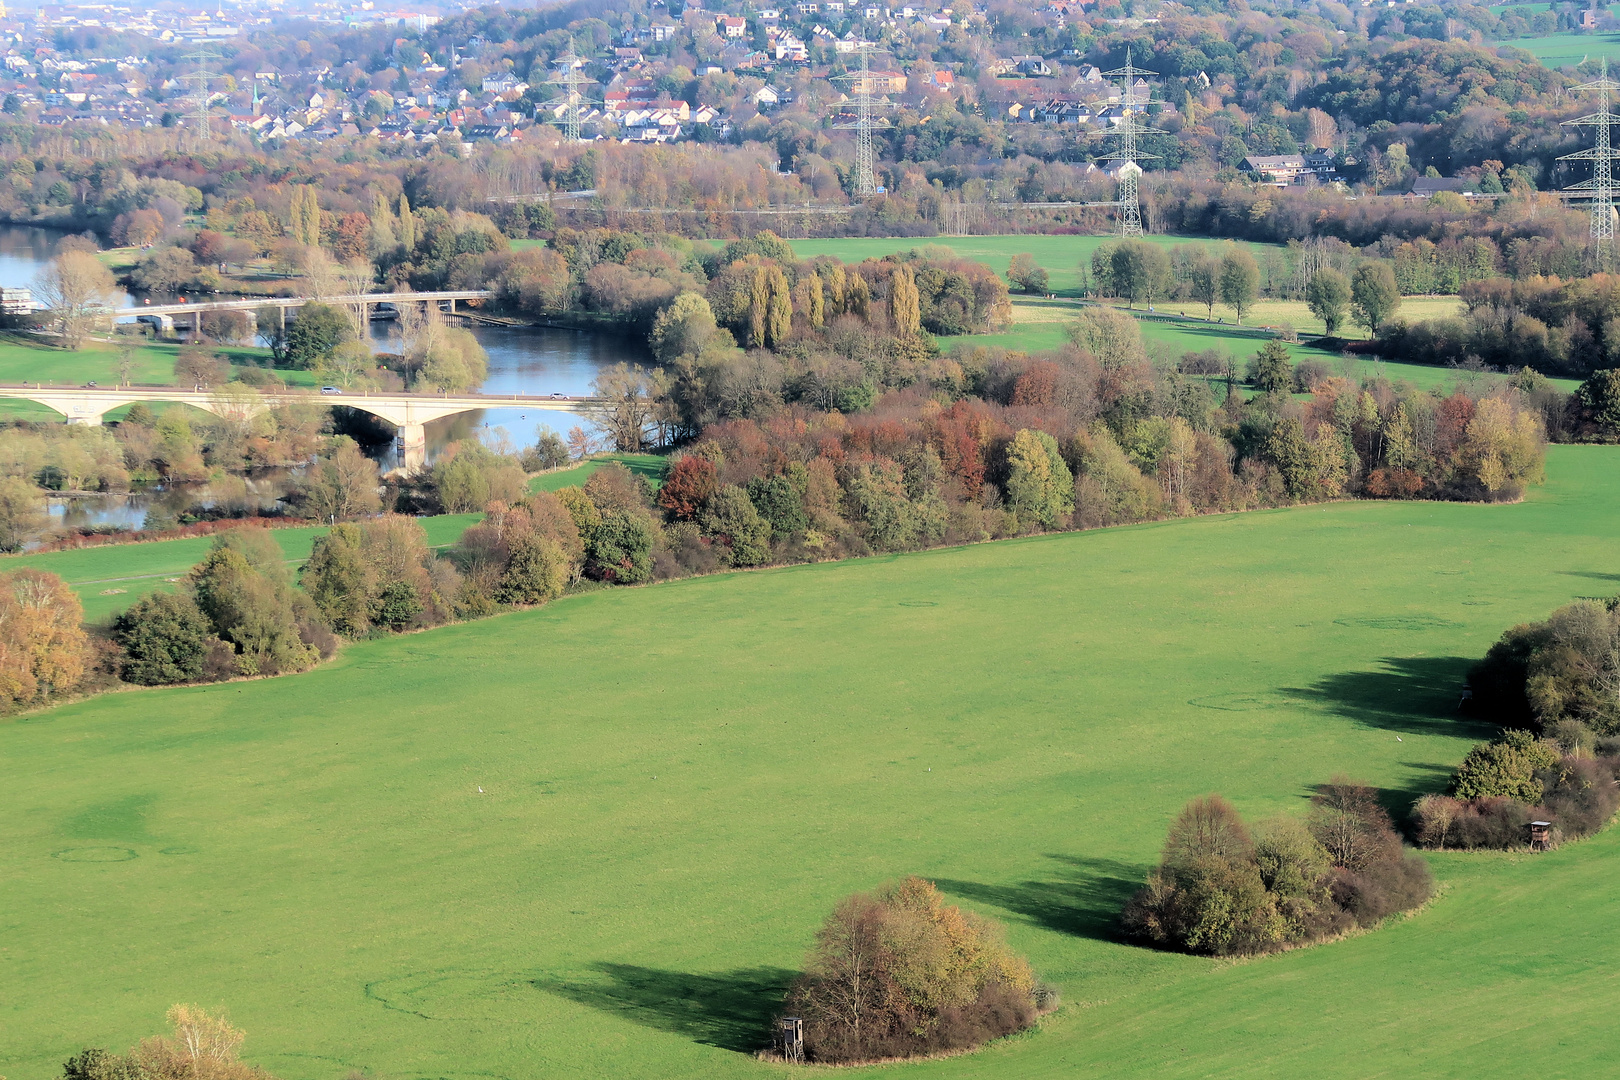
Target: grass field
650,466
681,780
1060,255
1039,325
1567,50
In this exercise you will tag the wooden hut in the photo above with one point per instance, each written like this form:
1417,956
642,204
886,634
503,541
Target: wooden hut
1540,835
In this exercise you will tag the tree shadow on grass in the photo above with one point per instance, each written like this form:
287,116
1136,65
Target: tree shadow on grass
1408,695
732,1010
1592,574
1084,898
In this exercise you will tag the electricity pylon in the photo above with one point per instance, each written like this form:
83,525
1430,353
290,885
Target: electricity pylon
200,113
1128,198
570,78
867,107
1601,185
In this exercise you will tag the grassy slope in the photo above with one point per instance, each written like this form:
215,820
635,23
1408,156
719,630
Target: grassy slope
1039,326
650,466
680,780
1567,50
1060,255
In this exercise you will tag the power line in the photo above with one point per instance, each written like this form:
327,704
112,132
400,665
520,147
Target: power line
1601,155
1128,198
867,105
200,113
569,76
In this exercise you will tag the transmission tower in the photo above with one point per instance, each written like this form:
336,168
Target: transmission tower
868,105
1601,185
569,76
201,78
1128,199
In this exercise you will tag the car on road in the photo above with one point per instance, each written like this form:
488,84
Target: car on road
330,390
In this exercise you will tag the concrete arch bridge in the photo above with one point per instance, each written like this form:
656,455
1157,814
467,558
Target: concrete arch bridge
407,412
164,316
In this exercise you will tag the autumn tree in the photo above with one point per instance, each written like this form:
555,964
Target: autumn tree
44,650
343,485
624,407
1023,272
905,310
78,289
692,480
900,973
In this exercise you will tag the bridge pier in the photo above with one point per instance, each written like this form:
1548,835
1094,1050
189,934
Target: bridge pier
411,442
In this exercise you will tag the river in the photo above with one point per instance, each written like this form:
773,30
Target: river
521,360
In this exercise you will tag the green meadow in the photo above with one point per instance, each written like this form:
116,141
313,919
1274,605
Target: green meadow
679,781
1060,255
1567,50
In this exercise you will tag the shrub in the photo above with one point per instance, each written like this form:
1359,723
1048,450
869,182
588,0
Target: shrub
44,650
167,640
1217,891
900,973
1507,767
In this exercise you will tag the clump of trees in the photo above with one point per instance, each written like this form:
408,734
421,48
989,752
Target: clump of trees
899,973
1568,779
1222,890
1553,686
378,575
200,1047
237,614
1544,676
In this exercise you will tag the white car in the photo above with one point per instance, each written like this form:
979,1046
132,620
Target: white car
330,390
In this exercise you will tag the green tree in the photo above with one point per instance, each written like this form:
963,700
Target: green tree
1600,394
729,517
1328,297
247,609
1240,281
1271,370
318,329
620,548
1373,295
1040,487
779,501
165,639
1505,767
1204,283
396,605
682,328
337,580
1141,271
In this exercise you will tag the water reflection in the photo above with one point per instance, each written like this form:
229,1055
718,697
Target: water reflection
528,360
262,492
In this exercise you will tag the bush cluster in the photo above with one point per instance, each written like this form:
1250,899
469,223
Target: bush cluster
1563,669
237,614
202,1047
1569,779
900,973
1221,890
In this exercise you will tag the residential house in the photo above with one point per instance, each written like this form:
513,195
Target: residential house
1426,187
1277,169
732,26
